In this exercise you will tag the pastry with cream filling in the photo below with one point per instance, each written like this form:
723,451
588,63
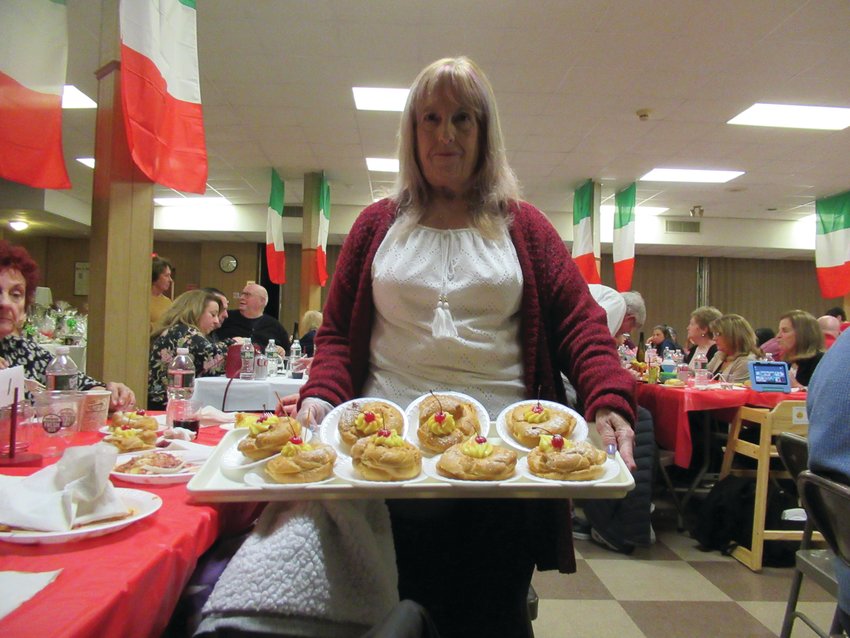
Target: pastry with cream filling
476,459
267,434
138,420
130,439
527,421
563,460
300,462
445,421
385,456
367,418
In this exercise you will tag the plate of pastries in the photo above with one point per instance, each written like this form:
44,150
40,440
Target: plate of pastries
353,420
563,460
263,436
440,420
157,467
521,424
475,460
133,431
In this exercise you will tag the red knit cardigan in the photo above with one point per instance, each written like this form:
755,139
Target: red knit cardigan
562,328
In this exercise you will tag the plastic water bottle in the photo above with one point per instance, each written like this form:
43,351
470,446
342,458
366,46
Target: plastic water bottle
272,358
247,355
261,367
295,350
701,375
181,376
62,371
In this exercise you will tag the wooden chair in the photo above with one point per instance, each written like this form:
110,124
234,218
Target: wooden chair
787,416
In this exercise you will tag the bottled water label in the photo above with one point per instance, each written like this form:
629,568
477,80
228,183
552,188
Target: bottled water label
181,378
61,381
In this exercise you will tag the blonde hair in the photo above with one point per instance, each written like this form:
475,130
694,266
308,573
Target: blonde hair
808,337
738,332
704,315
186,309
311,319
494,183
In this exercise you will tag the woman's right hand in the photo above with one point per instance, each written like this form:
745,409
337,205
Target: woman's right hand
313,411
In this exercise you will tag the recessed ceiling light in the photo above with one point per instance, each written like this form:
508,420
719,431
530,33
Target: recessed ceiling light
639,210
382,164
87,161
18,225
374,99
73,98
192,202
830,118
689,175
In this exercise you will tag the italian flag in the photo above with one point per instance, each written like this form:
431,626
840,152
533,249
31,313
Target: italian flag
161,92
33,58
624,238
583,233
324,224
832,245
275,257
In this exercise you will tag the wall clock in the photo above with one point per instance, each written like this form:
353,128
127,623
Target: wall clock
227,263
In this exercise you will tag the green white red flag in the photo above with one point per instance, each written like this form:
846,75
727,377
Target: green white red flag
832,245
624,238
275,255
161,92
583,233
33,60
324,225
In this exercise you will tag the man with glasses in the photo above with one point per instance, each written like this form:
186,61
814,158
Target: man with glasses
250,321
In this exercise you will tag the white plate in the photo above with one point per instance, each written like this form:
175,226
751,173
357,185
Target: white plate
329,432
160,419
579,432
429,465
611,471
344,469
234,465
412,416
143,503
193,464
257,477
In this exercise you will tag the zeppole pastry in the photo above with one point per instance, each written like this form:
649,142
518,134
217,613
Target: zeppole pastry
528,421
385,456
476,459
564,460
300,462
445,421
267,434
138,420
130,439
367,418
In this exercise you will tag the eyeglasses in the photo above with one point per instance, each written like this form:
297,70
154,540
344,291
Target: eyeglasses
248,294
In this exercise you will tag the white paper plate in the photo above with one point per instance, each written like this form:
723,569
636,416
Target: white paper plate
611,471
344,469
142,503
412,416
193,464
579,432
234,465
329,432
257,477
160,419
429,465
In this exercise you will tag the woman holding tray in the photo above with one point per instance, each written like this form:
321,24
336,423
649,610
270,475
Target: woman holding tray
455,283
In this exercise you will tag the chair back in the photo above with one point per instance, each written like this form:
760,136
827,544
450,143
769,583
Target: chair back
789,416
827,503
794,451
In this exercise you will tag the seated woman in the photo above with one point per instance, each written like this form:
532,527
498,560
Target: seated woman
736,346
18,279
662,339
310,323
801,343
186,324
700,335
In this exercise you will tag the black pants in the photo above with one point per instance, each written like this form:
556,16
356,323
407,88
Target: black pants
468,562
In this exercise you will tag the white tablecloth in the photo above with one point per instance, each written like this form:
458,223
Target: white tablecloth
252,396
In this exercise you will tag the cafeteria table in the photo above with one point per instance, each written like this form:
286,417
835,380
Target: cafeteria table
243,394
125,584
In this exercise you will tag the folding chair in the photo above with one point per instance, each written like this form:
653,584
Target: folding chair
827,504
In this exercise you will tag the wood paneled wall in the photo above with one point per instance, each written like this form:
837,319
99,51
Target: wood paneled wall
56,257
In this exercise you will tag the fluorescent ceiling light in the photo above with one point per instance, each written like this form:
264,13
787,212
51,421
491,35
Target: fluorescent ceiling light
830,118
191,202
73,98
18,225
382,164
369,99
639,210
689,175
87,161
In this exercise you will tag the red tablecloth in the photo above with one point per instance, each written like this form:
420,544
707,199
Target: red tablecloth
125,584
670,406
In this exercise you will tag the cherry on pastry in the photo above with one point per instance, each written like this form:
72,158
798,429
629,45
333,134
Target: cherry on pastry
296,440
384,432
480,439
439,417
537,409
140,412
262,419
368,417
126,426
557,441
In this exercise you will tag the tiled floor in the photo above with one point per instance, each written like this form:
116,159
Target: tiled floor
669,590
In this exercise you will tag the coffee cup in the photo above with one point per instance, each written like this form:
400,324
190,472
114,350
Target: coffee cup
94,409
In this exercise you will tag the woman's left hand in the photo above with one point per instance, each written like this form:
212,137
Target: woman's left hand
613,428
122,396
